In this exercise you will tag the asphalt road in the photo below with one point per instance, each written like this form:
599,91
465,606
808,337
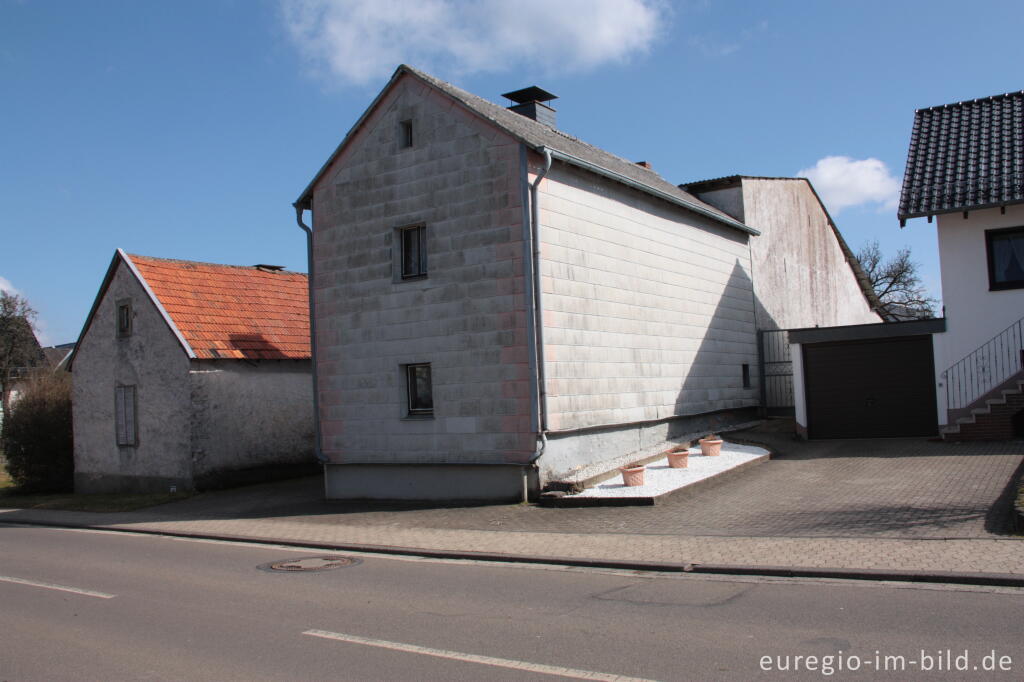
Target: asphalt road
82,605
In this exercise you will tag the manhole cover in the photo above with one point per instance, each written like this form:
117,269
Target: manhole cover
311,563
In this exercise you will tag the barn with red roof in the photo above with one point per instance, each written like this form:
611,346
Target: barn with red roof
189,375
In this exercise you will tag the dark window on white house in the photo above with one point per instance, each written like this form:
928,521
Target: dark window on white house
420,389
746,375
405,134
1005,250
124,319
125,415
414,251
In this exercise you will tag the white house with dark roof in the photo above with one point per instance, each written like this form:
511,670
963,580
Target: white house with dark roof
499,305
965,170
190,375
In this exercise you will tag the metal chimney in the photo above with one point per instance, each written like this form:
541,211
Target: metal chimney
531,102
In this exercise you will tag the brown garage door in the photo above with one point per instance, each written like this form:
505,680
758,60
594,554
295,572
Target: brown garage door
871,388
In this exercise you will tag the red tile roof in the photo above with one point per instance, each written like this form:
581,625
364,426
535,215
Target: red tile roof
227,311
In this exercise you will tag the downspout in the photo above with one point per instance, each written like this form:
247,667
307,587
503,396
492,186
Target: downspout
538,310
317,451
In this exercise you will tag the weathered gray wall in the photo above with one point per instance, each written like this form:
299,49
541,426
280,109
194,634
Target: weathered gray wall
801,275
467,317
248,416
648,316
153,360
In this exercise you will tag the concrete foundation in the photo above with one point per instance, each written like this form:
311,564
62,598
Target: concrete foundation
430,482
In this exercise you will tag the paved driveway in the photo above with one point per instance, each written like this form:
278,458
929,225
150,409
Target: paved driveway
894,488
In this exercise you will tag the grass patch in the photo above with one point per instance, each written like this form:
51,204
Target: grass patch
11,499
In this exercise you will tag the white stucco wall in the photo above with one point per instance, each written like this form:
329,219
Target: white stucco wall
246,416
801,275
974,314
151,359
648,309
467,318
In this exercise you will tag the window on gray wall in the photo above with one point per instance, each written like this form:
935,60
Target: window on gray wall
405,134
124,318
413,251
1005,249
420,390
125,414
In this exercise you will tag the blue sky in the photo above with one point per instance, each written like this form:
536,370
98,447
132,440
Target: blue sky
186,129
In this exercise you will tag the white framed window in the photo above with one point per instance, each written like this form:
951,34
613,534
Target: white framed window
125,415
419,390
413,251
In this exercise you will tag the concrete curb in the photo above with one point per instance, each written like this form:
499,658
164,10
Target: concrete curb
874,575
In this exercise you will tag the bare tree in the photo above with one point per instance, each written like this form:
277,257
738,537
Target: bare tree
897,284
18,345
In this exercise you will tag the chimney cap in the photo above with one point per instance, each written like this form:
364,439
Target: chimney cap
530,94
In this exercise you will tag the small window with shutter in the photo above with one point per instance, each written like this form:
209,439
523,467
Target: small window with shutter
125,415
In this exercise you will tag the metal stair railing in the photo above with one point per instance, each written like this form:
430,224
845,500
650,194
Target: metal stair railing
991,364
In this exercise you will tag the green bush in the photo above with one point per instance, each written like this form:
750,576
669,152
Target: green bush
36,436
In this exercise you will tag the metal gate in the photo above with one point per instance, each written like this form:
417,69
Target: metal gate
776,370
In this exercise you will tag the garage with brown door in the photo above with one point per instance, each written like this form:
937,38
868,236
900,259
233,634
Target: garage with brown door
868,381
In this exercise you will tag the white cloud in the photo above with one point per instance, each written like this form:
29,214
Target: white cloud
843,182
359,41
5,285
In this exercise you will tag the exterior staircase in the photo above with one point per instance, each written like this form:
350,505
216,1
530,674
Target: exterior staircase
985,390
998,415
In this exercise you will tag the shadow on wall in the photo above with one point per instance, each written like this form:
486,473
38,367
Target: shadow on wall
715,380
255,347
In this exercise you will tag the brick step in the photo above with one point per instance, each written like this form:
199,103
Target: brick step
992,421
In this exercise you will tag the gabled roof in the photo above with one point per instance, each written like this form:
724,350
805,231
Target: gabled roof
851,258
540,137
222,311
965,156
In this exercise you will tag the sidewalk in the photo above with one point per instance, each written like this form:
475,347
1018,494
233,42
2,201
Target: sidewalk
958,531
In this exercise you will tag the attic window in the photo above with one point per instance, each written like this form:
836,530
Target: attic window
124,319
1005,250
405,134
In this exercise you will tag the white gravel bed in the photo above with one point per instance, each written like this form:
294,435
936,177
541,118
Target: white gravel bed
660,479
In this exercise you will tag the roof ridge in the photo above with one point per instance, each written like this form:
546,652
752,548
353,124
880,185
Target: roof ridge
976,100
216,265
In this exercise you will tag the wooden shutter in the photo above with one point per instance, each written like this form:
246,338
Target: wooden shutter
124,415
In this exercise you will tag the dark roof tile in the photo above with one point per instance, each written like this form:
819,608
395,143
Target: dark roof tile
964,156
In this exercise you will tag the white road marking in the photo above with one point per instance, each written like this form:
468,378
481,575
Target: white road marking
474,658
52,586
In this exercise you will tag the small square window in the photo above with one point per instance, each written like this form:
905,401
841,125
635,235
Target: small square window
1005,249
419,389
124,319
125,415
414,251
405,134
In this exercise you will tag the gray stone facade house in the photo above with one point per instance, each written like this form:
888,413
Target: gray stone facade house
189,375
499,305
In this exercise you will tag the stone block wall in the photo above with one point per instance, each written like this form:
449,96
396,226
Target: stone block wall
462,180
648,309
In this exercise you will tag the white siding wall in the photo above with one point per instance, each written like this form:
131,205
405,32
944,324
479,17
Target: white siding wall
801,276
648,310
973,313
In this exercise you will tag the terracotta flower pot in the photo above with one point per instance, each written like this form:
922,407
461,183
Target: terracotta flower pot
711,447
678,459
633,475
